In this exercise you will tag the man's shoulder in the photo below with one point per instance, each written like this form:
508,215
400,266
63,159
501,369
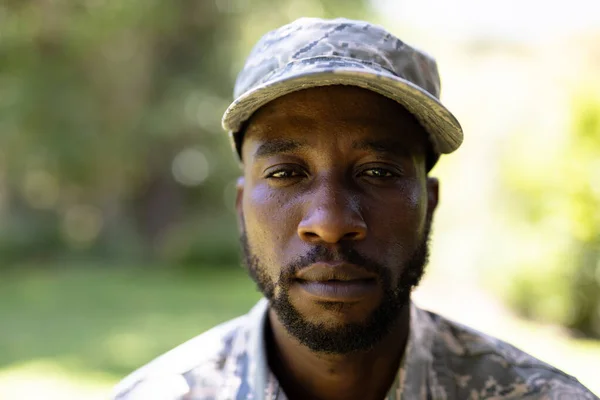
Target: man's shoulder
483,366
165,376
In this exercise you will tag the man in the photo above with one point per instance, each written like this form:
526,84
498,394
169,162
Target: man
337,124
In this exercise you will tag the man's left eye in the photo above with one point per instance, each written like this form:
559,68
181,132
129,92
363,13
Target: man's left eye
379,173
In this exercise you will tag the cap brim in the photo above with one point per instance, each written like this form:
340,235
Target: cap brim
445,131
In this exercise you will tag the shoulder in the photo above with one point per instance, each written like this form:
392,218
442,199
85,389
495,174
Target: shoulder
477,365
165,377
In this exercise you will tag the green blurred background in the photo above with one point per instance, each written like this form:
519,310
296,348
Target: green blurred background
117,233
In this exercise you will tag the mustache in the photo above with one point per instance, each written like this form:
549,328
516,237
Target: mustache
318,253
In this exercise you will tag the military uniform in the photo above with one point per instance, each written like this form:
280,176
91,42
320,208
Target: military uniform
443,361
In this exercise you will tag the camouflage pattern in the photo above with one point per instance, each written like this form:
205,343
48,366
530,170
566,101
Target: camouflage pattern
315,52
443,361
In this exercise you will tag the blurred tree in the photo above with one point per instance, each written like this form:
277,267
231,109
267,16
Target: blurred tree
556,200
110,138
583,193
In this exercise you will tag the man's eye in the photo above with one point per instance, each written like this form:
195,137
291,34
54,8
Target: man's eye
283,174
379,173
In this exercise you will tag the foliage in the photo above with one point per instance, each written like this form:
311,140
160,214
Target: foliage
110,142
556,197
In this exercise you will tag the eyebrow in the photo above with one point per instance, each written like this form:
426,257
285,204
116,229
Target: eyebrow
277,146
383,146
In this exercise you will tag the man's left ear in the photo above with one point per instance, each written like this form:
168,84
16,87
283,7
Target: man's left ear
433,192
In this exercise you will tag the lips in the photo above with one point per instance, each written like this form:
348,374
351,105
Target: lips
322,272
337,282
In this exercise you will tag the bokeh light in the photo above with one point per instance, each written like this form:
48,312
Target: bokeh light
190,167
81,225
41,189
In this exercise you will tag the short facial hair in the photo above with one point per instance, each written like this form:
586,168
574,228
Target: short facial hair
352,337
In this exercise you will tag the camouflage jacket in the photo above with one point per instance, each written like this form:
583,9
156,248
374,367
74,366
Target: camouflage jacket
443,361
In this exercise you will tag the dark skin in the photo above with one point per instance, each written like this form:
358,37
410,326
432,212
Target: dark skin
327,166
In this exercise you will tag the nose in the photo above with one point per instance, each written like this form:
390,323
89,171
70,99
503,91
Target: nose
330,217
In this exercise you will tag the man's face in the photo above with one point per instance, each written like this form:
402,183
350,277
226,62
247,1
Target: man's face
335,208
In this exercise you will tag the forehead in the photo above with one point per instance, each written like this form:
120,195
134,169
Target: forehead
339,115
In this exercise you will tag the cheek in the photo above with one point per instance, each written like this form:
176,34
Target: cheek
404,206
396,220
416,205
270,222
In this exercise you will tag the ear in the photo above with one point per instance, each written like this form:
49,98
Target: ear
239,204
433,193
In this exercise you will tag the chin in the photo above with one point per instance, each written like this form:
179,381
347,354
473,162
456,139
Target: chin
335,313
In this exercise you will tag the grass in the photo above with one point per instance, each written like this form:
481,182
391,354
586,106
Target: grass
95,325
73,333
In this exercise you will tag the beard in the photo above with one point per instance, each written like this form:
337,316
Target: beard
351,337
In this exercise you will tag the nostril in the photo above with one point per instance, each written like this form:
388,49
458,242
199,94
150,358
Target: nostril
311,235
352,235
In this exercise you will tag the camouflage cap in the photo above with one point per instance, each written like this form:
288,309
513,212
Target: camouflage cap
312,52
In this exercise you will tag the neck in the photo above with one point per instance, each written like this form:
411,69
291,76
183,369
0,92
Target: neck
303,374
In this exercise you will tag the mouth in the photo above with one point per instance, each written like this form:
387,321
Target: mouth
339,291
337,282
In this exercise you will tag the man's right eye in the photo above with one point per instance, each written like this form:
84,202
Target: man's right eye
283,174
